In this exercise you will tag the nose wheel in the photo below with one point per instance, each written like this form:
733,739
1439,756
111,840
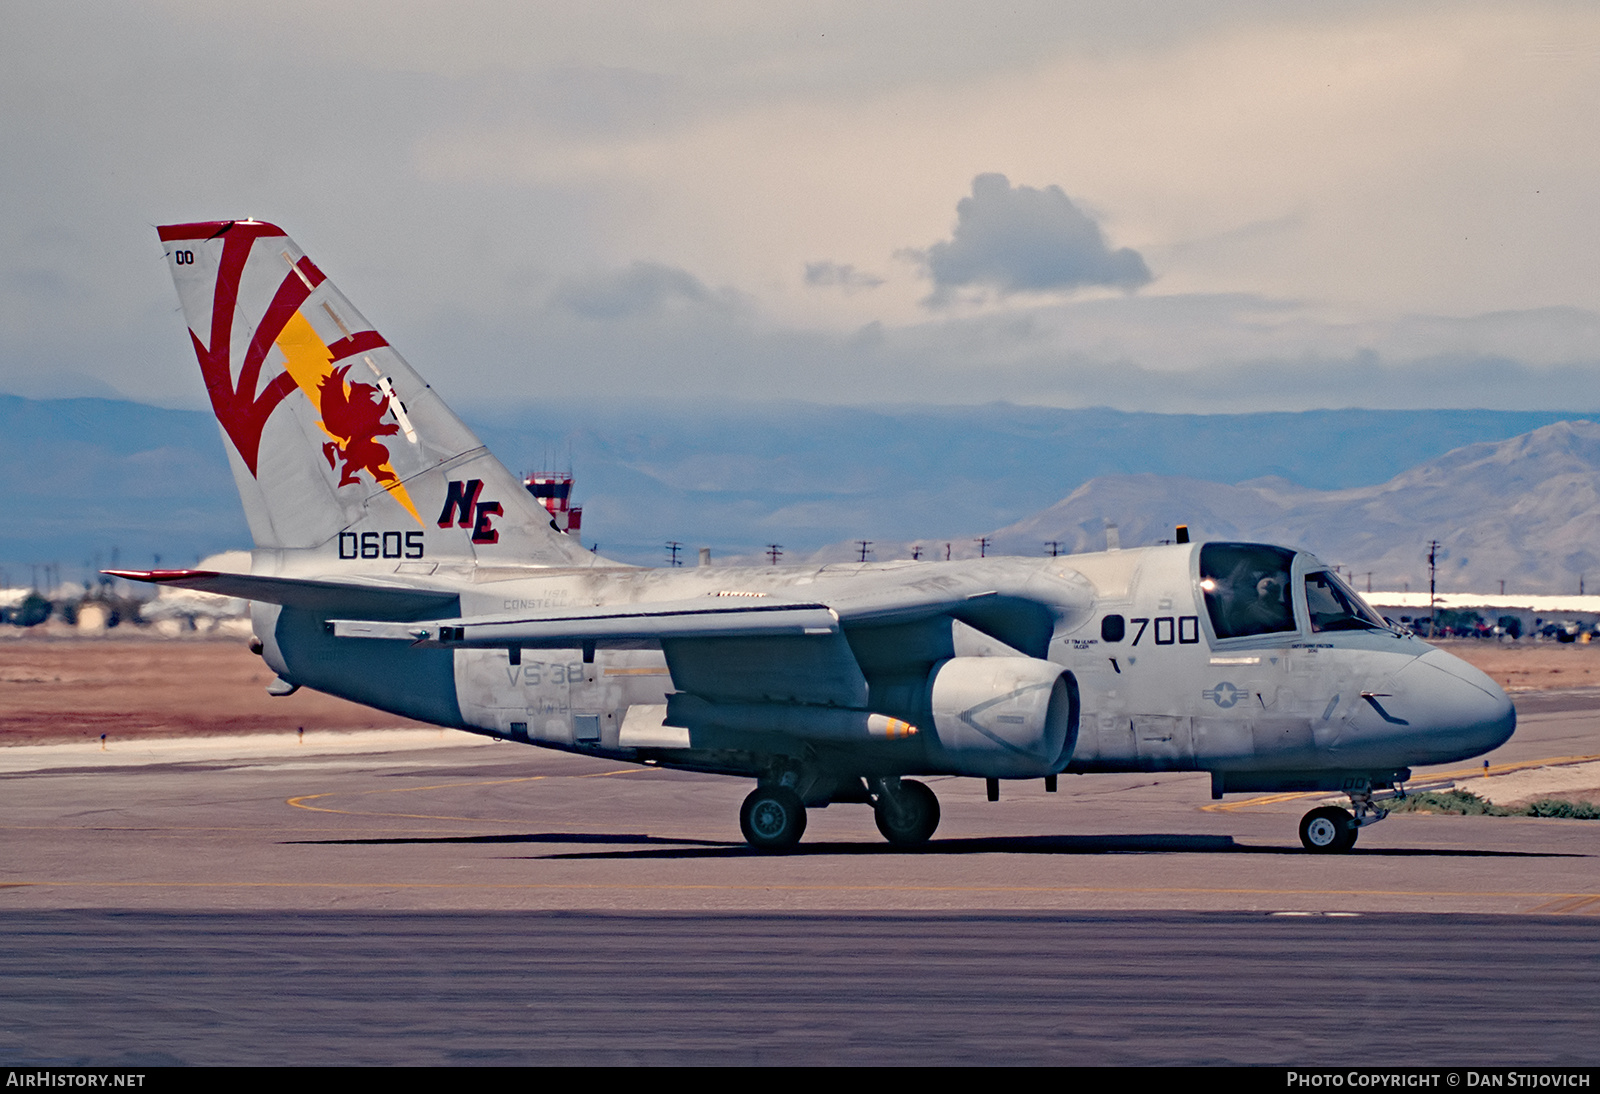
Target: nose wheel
1328,830
1332,831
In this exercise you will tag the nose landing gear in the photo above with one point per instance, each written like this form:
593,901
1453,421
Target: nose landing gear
1329,830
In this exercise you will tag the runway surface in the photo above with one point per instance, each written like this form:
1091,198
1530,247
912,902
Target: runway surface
143,988
428,897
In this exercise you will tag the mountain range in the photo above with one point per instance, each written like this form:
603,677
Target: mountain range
89,481
1525,511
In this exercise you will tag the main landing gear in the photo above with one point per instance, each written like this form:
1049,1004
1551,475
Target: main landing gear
907,812
773,817
1329,830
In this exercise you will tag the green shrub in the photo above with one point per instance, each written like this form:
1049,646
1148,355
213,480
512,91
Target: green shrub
1557,807
1466,803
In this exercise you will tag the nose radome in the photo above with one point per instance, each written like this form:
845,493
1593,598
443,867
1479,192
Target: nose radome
1457,702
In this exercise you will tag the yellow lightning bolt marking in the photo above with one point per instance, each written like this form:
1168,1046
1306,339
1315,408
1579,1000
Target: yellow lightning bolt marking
309,360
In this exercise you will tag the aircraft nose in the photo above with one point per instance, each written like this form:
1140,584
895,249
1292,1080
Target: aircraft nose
1463,712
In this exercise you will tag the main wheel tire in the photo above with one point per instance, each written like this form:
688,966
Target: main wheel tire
1328,831
910,820
773,818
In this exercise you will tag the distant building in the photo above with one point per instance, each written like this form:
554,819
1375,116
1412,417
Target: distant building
1535,612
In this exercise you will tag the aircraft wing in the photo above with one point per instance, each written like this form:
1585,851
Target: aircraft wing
613,626
358,595
1011,608
728,652
1015,605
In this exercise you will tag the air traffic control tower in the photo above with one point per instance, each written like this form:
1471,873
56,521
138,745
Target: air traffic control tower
553,490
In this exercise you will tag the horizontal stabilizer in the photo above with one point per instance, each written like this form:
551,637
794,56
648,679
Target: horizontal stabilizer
367,597
611,627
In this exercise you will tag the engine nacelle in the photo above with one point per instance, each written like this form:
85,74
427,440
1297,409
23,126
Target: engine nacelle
1004,717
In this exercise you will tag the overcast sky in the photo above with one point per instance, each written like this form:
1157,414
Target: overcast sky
1158,206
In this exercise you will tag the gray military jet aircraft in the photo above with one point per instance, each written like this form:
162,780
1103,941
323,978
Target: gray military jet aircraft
398,564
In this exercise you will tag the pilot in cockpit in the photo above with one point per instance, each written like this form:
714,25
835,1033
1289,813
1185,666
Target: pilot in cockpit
1269,609
1254,596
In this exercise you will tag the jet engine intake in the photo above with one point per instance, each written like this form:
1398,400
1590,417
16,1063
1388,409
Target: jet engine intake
1004,717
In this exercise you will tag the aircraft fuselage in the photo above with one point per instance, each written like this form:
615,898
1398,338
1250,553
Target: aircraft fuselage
1157,687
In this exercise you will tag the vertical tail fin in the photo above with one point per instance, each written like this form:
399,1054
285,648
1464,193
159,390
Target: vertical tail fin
337,446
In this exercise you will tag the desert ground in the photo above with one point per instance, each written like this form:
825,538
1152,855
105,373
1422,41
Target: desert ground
56,688
1531,666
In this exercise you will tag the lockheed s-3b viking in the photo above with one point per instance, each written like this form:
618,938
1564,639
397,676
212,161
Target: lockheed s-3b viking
398,564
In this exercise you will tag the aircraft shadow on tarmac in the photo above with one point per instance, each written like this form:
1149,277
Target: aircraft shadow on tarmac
663,847
533,837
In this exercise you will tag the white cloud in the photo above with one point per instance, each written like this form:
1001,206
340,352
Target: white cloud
1022,239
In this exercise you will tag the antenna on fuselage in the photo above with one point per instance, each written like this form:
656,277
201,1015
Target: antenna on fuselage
1181,534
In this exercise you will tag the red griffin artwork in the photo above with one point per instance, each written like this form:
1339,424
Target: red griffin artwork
242,412
354,420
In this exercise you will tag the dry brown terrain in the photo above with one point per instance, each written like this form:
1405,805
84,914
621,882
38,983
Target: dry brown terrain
54,689
1531,666
66,688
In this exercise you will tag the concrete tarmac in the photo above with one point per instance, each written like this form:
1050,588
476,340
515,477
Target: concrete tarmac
432,897
443,820
132,989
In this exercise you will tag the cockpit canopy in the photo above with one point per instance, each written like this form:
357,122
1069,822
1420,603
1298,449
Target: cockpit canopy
1332,605
1249,589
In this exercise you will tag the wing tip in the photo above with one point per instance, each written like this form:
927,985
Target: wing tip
160,576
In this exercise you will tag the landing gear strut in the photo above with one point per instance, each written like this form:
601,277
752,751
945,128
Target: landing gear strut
907,812
773,818
1330,830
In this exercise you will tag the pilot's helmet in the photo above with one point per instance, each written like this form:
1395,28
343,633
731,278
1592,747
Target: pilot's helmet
1271,587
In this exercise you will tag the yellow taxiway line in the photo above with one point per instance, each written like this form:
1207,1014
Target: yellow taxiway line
299,802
